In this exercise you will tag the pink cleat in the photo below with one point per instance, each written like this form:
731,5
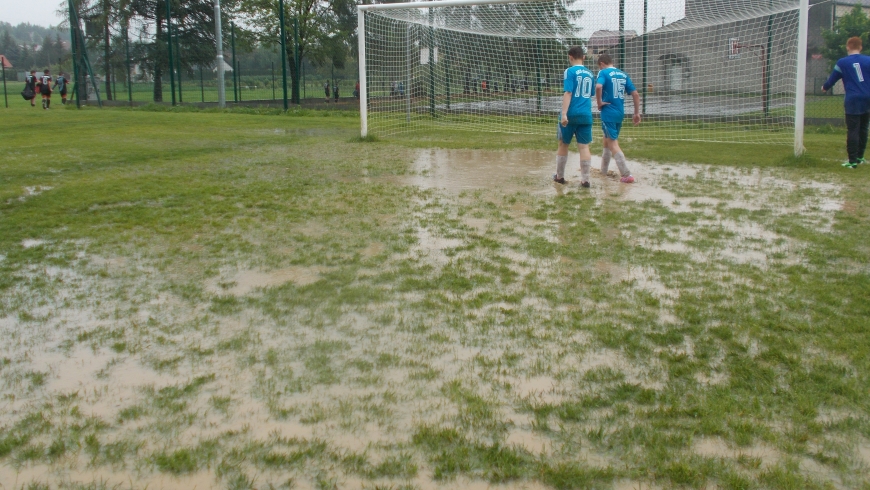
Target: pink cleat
628,179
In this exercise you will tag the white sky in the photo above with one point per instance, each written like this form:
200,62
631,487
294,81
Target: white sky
39,12
604,14
599,15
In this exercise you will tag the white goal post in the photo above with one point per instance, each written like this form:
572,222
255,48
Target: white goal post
706,70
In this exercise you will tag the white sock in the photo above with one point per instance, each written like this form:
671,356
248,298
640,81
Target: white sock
561,161
605,161
585,165
620,162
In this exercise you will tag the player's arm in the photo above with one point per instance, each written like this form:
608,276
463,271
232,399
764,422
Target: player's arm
599,89
835,76
566,103
636,117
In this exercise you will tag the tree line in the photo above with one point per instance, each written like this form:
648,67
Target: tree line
30,47
325,30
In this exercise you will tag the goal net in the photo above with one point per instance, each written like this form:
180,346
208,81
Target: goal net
705,70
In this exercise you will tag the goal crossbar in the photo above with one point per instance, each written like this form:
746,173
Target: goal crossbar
436,3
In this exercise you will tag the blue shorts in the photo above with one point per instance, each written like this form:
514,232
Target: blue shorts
583,133
611,129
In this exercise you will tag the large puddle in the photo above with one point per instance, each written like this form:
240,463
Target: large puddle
710,193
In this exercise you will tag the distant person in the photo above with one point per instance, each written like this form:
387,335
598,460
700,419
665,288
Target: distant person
401,88
576,120
852,70
61,83
29,92
610,95
326,90
335,91
44,85
356,90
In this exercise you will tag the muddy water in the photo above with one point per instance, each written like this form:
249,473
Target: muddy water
704,190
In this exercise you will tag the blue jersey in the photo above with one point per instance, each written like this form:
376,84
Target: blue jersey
855,71
614,85
579,82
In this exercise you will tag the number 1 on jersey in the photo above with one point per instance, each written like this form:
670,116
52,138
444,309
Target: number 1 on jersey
858,72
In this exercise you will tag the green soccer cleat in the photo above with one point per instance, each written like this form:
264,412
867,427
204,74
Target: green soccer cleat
861,161
850,164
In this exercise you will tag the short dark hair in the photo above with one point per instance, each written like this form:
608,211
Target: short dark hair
605,59
577,52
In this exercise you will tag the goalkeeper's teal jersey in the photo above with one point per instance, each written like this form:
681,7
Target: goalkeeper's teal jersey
580,83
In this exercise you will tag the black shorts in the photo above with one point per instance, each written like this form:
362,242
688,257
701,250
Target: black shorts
63,93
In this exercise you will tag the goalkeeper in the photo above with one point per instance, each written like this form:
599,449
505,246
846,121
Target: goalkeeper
857,101
576,120
610,93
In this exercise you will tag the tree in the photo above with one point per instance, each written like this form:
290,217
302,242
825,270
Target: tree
9,47
326,30
192,24
855,23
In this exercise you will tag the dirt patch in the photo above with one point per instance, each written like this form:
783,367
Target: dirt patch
715,447
244,282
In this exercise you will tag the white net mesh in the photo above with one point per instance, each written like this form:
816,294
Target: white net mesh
706,70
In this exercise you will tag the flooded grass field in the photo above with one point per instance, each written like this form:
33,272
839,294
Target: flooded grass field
231,301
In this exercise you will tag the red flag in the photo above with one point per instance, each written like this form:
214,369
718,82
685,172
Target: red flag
5,61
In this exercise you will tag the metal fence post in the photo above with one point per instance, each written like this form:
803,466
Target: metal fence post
178,64
129,76
296,64
169,44
201,84
233,45
283,50
3,64
273,80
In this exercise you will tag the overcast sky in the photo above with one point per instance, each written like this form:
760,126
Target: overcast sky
599,14
39,12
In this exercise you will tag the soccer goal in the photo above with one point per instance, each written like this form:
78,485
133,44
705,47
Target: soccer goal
705,70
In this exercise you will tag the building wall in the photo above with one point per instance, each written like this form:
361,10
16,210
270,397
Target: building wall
699,60
701,56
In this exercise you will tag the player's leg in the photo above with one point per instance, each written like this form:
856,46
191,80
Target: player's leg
618,156
563,133
853,138
862,142
584,137
605,153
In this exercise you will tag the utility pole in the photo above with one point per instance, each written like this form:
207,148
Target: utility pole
219,61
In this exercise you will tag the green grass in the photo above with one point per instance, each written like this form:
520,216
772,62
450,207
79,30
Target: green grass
256,299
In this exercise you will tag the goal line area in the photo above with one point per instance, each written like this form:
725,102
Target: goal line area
718,71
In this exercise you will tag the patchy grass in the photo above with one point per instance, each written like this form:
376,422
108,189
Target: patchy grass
253,299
